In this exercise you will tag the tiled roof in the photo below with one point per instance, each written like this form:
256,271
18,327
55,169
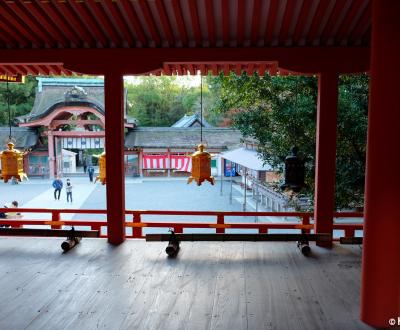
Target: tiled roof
191,120
172,137
22,137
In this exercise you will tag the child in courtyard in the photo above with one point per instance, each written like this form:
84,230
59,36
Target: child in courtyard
68,189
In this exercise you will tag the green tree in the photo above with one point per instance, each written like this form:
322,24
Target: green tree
280,112
22,97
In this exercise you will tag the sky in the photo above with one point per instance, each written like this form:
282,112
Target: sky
187,81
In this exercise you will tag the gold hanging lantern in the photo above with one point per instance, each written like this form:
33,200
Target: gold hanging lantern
201,160
201,166
102,169
12,164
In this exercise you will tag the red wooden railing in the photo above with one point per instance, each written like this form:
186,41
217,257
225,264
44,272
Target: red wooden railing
220,224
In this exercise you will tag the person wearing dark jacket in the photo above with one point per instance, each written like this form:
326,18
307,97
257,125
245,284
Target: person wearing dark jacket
57,185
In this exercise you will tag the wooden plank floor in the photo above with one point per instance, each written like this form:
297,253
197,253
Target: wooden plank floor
211,285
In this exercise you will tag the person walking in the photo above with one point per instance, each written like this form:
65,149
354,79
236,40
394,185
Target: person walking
91,172
57,185
68,189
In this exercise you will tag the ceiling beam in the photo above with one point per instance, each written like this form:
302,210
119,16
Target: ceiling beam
143,60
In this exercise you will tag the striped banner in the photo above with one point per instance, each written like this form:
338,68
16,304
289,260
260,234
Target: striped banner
161,162
181,163
155,162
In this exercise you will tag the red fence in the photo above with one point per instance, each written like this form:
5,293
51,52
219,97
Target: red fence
300,220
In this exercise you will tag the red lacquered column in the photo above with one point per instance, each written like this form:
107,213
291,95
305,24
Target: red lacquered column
114,120
380,294
325,167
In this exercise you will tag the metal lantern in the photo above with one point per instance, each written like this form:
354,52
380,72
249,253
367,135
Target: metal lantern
102,169
294,172
201,166
12,164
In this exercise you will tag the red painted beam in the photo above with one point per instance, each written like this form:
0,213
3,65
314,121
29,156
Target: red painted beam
60,23
165,22
194,18
141,60
144,6
97,31
240,17
111,9
342,33
316,22
43,22
75,22
327,32
210,21
180,22
271,20
286,22
255,22
15,29
33,29
362,25
132,20
301,21
225,5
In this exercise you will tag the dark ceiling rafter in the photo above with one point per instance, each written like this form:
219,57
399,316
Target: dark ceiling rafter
60,23
180,22
144,6
349,18
76,22
165,22
103,23
97,35
43,23
271,20
333,20
194,18
132,21
31,30
110,8
255,22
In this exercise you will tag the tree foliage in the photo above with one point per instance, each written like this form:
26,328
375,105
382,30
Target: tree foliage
161,101
21,97
280,112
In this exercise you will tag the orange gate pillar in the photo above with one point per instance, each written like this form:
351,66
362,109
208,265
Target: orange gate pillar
380,291
114,127
325,168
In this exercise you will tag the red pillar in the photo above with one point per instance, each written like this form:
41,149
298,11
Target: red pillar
326,154
50,146
114,120
380,292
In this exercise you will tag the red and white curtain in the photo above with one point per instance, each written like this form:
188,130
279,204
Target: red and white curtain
181,163
155,162
161,162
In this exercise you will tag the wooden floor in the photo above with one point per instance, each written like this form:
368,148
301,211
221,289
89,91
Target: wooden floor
232,285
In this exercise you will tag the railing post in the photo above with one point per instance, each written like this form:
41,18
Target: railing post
178,229
220,221
55,217
305,220
349,232
137,231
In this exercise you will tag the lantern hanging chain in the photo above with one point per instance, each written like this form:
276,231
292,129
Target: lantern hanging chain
201,108
8,107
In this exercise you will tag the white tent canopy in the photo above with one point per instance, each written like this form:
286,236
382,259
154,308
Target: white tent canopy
247,158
